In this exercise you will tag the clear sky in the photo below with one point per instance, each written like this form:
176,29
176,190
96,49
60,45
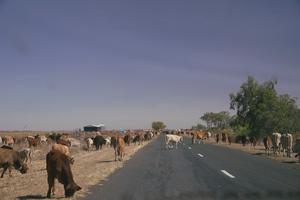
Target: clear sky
65,64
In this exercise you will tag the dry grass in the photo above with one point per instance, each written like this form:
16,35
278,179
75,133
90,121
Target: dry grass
259,150
89,169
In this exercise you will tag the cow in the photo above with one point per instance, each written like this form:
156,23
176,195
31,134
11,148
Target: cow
8,140
58,167
74,142
297,149
43,139
268,144
286,141
253,141
64,150
200,136
99,141
139,137
10,158
32,141
173,139
120,149
64,142
107,140
26,154
89,143
276,143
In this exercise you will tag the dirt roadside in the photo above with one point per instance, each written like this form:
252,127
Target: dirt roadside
89,169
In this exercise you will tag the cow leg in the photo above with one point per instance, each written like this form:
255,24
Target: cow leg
4,170
115,154
50,186
9,171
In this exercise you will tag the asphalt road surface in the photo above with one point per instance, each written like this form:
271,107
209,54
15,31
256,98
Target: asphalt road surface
199,171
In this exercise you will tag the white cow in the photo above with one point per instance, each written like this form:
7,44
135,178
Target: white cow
287,144
173,139
89,143
26,154
276,143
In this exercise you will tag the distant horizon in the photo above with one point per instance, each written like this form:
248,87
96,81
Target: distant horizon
65,64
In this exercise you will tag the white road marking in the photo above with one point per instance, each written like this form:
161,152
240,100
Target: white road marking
190,147
227,173
199,154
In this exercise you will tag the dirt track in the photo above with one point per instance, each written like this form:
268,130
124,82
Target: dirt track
89,168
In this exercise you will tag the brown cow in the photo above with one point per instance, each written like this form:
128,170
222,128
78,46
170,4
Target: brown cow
10,158
268,144
8,140
58,166
120,149
64,150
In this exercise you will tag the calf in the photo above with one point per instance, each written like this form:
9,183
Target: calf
10,158
58,167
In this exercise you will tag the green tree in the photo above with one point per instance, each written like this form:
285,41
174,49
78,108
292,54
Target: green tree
216,120
262,110
199,127
158,125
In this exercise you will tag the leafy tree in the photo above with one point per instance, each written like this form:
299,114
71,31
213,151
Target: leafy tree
158,125
262,110
199,127
216,120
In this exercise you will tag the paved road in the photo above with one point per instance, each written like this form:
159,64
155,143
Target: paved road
199,171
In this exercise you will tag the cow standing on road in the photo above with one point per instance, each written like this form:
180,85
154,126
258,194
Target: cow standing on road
175,139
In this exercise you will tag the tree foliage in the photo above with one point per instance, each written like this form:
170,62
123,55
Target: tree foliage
262,110
158,125
216,120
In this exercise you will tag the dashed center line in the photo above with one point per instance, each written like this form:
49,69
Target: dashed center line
190,147
199,154
227,173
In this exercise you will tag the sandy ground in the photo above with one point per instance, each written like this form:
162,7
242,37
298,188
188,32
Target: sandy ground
89,169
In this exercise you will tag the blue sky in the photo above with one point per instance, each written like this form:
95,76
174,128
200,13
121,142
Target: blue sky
65,64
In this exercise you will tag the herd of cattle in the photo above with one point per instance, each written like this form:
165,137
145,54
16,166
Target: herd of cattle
276,142
58,156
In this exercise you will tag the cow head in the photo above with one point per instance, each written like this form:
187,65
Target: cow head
71,189
24,168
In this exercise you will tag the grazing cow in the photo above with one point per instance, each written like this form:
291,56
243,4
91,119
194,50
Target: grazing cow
26,154
286,141
10,158
276,143
58,167
99,141
89,143
120,149
268,144
8,140
64,150
173,139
